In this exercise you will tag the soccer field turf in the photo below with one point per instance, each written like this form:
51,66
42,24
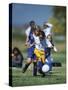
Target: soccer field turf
57,76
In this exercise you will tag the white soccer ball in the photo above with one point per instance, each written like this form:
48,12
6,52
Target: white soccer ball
45,68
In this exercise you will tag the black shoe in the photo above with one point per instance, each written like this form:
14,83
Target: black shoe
35,75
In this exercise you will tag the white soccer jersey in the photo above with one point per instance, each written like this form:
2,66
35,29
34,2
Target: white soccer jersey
38,43
48,43
47,31
28,31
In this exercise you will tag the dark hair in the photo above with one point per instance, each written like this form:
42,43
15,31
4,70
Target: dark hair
43,34
39,27
19,52
44,24
32,22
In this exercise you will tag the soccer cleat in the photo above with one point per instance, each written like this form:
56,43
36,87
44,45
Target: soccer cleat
34,74
56,64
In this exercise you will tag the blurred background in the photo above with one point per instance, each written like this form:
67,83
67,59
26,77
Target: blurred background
22,14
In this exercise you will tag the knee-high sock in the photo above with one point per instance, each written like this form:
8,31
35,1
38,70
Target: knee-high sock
25,67
34,68
40,64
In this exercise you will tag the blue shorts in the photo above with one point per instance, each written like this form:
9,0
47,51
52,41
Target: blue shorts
47,52
31,54
40,64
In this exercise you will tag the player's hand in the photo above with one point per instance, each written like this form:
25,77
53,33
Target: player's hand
55,49
27,44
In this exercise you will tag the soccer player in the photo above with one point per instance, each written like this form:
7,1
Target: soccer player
40,44
30,45
47,28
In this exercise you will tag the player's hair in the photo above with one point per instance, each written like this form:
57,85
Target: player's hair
44,24
38,28
42,34
32,22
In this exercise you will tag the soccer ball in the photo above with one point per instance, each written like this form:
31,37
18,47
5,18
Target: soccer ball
45,68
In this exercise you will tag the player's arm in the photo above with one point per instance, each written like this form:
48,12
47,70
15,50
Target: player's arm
53,46
49,37
27,32
27,40
32,44
49,45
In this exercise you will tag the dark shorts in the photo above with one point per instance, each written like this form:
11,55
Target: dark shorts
30,53
47,52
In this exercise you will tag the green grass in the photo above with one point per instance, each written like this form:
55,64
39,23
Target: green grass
57,76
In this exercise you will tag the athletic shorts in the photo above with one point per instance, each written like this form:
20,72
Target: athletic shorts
47,52
40,54
30,53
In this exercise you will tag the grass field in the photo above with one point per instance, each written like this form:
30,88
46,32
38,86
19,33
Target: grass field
57,76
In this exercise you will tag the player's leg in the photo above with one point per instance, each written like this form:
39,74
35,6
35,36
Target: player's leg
49,58
43,58
48,52
27,65
39,66
54,47
50,62
34,59
35,68
29,52
41,63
